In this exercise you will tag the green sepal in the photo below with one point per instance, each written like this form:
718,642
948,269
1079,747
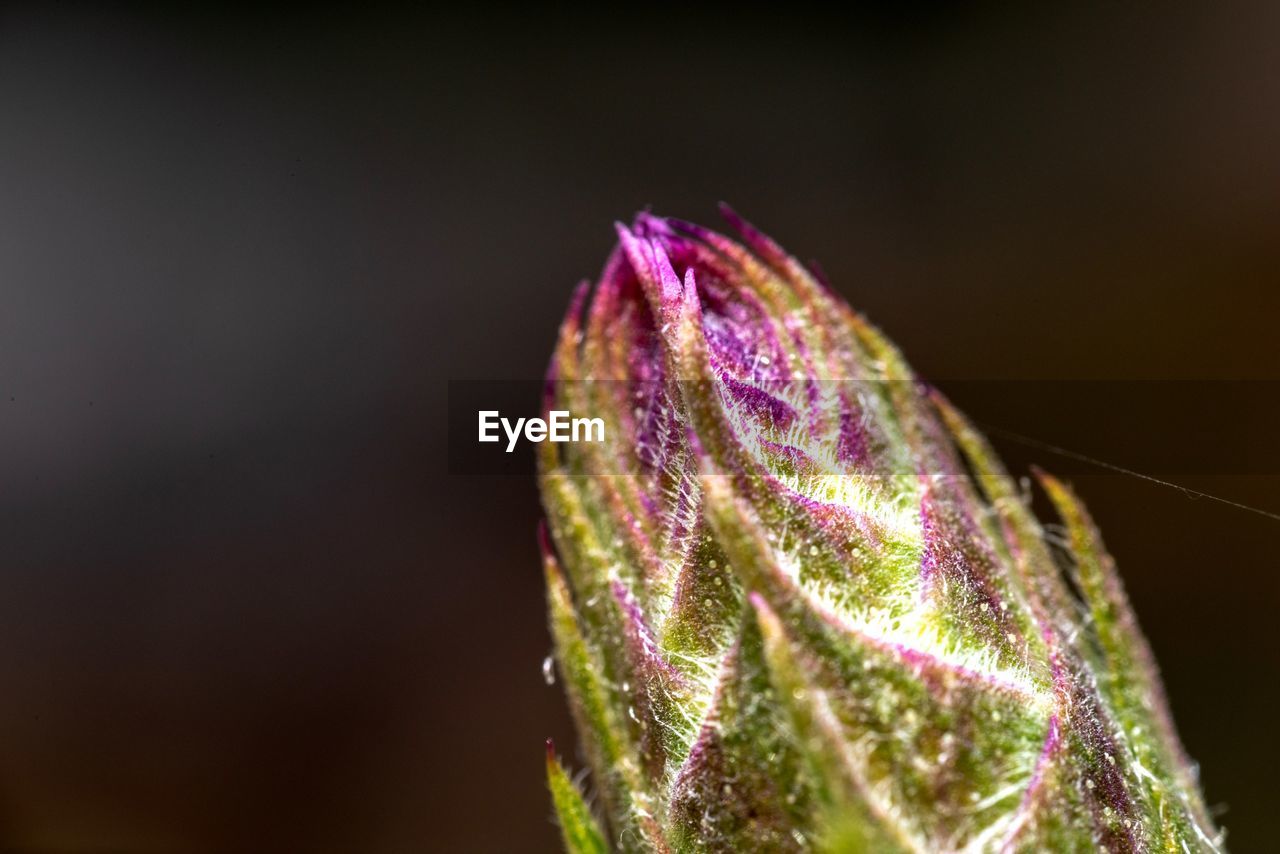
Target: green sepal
845,820
743,786
608,746
1130,680
577,825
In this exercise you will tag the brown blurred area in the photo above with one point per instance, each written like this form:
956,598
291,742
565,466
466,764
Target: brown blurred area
243,606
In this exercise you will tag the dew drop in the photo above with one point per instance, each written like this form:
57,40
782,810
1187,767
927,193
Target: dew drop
548,671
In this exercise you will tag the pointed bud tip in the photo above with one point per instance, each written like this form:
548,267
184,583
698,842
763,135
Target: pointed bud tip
544,539
690,292
757,241
1046,480
670,282
652,225
579,299
730,215
820,276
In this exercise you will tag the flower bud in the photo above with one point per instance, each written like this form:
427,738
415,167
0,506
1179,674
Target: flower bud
798,604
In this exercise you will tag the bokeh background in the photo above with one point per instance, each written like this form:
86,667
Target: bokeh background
243,603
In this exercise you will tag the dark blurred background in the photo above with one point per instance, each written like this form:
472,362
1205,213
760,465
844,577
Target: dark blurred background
243,604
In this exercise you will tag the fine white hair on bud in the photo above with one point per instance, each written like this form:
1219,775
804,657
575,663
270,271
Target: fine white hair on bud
798,604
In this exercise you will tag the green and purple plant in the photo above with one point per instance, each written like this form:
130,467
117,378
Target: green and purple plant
798,604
